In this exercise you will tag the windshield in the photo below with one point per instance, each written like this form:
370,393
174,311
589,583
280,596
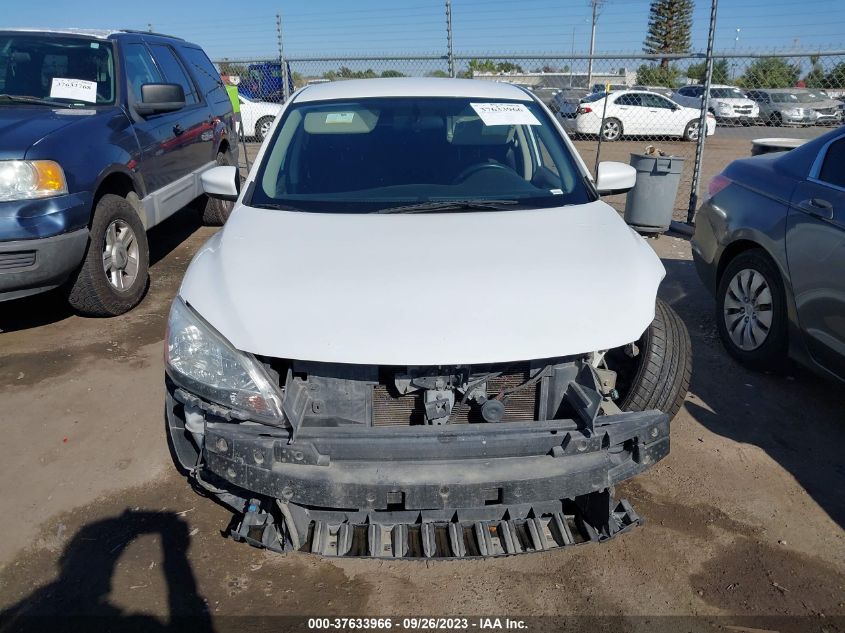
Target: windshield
57,69
809,97
726,93
784,97
368,155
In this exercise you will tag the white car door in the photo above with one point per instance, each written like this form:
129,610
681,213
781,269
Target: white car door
673,117
247,116
627,107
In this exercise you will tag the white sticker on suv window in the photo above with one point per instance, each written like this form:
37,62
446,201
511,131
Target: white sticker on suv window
76,89
504,114
340,117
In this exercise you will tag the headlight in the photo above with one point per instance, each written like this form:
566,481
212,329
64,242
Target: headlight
792,112
205,363
724,107
28,179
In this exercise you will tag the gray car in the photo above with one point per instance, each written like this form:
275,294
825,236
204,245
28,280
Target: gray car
781,106
768,244
826,110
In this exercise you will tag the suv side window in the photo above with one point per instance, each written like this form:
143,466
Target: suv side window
140,68
174,72
204,72
831,171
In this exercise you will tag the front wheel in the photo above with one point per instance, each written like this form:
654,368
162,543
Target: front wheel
262,128
654,372
611,130
115,272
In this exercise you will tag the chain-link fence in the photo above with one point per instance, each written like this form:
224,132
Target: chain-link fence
612,106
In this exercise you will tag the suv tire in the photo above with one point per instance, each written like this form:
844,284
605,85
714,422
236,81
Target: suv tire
215,212
658,376
115,271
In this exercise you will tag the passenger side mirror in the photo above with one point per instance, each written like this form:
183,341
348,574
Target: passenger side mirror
613,178
159,98
221,182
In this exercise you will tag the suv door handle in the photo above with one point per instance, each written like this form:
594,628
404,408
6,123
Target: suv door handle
817,207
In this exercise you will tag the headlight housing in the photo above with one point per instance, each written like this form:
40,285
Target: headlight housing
200,359
31,179
724,107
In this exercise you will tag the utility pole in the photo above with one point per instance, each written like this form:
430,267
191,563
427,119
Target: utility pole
572,61
283,73
596,6
449,50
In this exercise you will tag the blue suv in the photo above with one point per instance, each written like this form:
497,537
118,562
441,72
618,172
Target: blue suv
102,136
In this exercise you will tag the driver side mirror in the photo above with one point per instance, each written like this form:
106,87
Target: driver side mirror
221,182
613,178
159,98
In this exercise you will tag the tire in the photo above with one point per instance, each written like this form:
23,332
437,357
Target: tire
94,291
777,119
611,130
262,127
691,131
658,376
215,212
761,352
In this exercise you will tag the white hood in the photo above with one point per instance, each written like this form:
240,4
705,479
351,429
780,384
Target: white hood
425,289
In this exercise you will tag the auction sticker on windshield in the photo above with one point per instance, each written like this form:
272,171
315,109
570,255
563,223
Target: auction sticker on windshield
504,114
76,89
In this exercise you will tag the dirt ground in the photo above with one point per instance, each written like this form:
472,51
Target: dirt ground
745,516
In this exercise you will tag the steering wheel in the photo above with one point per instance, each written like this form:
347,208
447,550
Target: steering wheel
473,169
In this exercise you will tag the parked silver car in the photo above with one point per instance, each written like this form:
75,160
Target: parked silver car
768,244
826,110
781,106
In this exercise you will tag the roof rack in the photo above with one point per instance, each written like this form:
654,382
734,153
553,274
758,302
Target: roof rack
140,32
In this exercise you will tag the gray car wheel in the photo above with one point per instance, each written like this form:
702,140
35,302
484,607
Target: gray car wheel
262,128
611,130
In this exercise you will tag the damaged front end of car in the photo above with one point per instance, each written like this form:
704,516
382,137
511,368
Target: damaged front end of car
398,462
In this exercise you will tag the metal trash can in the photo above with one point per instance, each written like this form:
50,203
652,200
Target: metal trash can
648,207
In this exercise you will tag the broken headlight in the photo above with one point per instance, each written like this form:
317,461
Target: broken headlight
202,361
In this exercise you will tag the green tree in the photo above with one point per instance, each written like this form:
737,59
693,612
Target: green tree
721,72
836,77
770,72
391,73
656,75
489,66
669,28
437,73
815,78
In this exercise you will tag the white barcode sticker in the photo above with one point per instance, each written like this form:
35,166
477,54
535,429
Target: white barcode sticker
76,89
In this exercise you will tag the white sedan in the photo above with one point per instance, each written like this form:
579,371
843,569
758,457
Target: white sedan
257,117
633,113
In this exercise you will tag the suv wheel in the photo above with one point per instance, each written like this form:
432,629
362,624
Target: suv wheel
656,376
115,272
751,311
215,212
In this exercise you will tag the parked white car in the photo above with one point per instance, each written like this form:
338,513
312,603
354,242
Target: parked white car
727,103
257,117
633,113
421,326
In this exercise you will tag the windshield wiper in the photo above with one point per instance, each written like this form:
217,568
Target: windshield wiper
34,100
444,205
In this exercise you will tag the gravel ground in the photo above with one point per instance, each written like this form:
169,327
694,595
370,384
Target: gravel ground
744,516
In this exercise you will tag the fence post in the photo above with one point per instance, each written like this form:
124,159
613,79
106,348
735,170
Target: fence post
450,52
702,118
282,66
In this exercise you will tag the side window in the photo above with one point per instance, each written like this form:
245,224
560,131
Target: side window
203,71
832,171
653,101
174,72
140,68
685,92
630,99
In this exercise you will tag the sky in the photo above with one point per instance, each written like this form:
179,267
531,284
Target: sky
247,28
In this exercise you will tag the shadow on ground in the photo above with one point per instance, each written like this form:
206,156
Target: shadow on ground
51,307
795,417
79,598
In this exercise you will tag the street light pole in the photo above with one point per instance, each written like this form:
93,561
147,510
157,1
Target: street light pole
596,4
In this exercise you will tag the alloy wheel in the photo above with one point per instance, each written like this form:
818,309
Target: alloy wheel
120,255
